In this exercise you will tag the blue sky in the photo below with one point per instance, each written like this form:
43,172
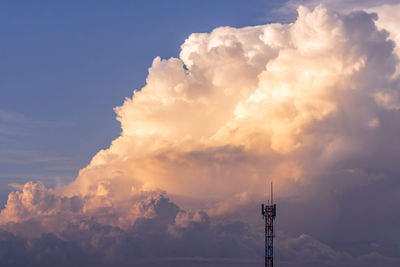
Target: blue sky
65,65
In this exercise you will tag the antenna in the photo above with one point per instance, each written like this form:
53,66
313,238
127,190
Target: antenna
272,196
269,212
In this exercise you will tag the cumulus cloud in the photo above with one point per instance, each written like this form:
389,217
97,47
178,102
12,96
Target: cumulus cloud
312,105
338,5
388,20
163,235
240,103
304,250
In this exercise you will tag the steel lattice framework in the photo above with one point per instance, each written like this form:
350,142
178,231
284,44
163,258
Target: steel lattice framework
269,212
269,235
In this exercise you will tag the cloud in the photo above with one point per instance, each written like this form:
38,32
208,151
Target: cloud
338,5
388,19
304,250
312,105
240,103
161,230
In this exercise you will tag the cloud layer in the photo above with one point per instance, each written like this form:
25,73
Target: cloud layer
313,105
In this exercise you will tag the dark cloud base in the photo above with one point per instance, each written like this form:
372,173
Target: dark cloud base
162,241
149,242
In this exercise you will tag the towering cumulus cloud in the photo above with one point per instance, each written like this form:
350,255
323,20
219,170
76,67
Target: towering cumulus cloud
313,105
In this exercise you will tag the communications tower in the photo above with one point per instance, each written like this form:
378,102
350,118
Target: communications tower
268,212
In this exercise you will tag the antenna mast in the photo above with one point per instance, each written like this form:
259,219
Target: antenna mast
269,212
272,195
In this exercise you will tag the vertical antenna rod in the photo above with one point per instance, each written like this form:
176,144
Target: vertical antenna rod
269,212
272,195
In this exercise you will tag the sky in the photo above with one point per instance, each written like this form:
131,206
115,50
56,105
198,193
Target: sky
146,132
